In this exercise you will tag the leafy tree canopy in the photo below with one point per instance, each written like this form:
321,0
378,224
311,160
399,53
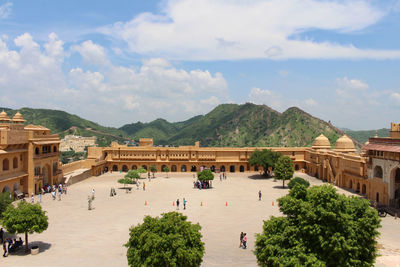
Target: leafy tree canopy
265,158
153,169
321,228
132,174
5,201
205,175
25,218
126,181
166,241
141,170
298,180
165,169
284,169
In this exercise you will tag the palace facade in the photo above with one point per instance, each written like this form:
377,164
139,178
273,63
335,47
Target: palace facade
341,164
29,156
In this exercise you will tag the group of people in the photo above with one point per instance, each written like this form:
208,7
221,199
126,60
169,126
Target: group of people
9,245
201,184
184,203
54,190
243,240
222,176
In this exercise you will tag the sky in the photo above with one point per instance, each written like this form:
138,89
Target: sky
123,61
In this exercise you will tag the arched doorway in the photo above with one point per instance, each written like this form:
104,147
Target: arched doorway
193,169
212,168
351,184
377,197
222,168
358,187
144,167
163,167
364,189
124,168
134,167
296,167
16,186
232,168
115,168
241,169
15,163
173,168
6,189
183,168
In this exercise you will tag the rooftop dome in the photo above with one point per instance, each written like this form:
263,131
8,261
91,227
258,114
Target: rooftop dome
18,118
4,117
345,144
321,142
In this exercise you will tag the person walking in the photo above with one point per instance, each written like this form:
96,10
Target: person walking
93,192
184,203
40,197
259,195
2,235
5,248
244,241
32,199
177,204
53,194
241,240
144,186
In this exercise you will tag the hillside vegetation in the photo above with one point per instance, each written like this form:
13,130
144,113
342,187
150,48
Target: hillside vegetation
226,125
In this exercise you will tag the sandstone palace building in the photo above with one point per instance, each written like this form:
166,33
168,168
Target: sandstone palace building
29,156
29,159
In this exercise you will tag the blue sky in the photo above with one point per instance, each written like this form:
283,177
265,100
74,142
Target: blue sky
125,61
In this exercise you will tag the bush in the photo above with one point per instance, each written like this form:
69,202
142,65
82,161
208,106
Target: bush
298,180
166,241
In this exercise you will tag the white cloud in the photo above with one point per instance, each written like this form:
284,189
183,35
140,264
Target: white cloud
32,75
310,102
220,29
352,84
5,10
91,53
266,97
396,97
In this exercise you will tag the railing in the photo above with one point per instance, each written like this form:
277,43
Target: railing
47,155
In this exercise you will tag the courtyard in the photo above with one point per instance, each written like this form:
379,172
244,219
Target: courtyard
79,237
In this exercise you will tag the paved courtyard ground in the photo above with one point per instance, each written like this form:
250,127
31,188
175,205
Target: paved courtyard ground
79,237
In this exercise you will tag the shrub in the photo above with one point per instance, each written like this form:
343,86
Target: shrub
298,180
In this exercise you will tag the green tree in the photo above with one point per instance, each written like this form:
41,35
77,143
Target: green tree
298,180
140,171
166,170
205,175
321,228
153,169
126,181
265,158
25,218
167,241
132,174
284,169
5,201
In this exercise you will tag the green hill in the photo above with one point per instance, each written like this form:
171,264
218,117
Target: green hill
363,136
226,125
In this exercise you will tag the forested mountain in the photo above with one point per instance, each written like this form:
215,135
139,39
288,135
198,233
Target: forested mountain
226,125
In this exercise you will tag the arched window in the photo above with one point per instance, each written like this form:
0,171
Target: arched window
378,172
6,165
15,162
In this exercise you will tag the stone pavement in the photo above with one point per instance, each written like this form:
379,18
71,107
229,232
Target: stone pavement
79,237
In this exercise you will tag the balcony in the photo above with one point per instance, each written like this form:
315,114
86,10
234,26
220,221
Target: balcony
47,155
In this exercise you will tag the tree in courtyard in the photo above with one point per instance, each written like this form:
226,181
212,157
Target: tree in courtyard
25,218
205,175
167,241
153,169
129,177
265,158
166,170
321,228
298,180
140,171
5,201
284,169
126,181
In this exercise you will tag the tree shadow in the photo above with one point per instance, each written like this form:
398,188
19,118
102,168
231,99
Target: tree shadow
259,177
43,246
280,187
